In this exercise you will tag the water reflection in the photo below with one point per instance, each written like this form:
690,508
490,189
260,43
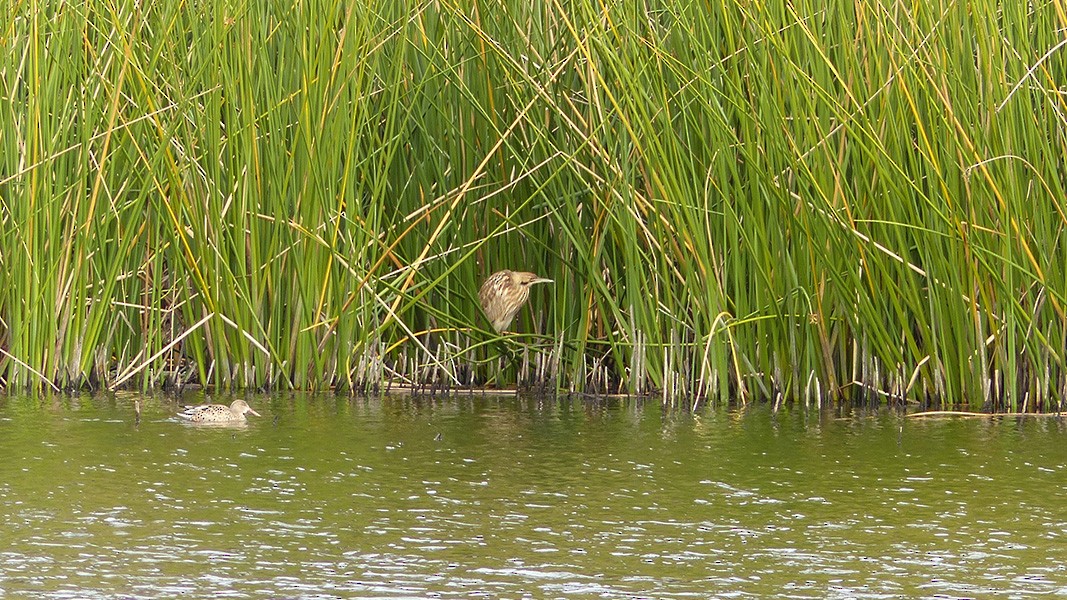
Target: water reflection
492,497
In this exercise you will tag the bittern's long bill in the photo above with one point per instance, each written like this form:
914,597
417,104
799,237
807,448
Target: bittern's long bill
503,294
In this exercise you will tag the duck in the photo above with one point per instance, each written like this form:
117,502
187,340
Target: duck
217,413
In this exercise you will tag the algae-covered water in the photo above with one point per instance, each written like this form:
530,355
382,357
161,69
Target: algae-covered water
332,497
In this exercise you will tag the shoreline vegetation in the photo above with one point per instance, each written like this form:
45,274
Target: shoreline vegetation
736,201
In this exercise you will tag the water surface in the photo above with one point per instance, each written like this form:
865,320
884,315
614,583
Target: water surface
332,497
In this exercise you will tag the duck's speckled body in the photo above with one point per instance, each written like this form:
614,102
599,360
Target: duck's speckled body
217,413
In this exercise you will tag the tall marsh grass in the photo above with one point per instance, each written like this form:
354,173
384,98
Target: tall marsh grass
737,200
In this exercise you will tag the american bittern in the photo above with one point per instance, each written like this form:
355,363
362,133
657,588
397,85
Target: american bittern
504,293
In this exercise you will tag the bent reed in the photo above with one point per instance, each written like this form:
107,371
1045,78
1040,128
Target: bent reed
735,200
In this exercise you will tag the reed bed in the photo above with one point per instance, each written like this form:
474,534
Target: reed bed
737,200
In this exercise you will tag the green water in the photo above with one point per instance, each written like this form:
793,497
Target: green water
328,497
